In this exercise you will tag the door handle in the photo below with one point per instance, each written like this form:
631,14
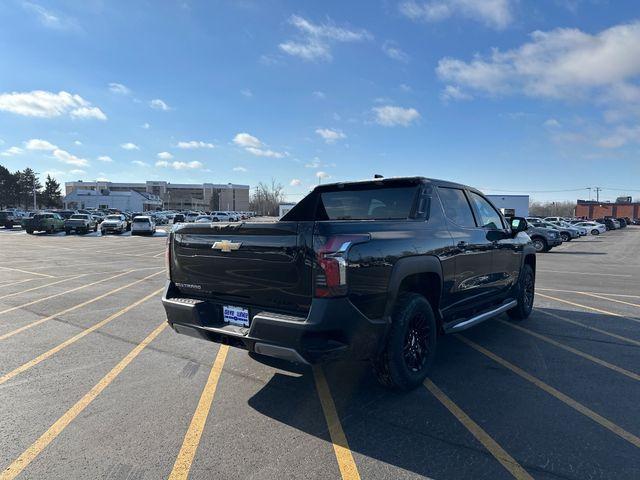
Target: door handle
462,245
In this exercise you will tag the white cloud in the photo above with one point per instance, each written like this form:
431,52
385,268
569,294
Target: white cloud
88,112
48,18
319,95
43,104
246,140
146,126
69,158
322,175
78,143
158,104
452,92
119,88
295,182
176,165
316,39
38,144
329,135
254,146
552,123
77,171
262,152
105,158
561,64
129,146
494,13
193,144
246,93
621,136
393,51
12,151
140,163
165,156
239,169
391,116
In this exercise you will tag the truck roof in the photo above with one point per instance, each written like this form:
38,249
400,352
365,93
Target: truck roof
392,181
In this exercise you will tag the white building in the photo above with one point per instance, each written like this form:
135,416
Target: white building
126,201
511,205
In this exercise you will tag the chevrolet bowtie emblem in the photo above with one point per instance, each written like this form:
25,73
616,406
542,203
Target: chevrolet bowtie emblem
226,246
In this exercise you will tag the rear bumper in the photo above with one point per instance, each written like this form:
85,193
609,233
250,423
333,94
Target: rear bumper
333,328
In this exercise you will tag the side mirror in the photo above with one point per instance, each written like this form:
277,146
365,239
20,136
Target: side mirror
518,224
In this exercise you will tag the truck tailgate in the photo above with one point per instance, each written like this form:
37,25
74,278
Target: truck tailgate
254,264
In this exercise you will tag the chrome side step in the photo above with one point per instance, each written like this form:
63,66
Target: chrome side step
458,327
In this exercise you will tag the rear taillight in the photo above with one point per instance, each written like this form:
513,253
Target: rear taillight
167,257
331,263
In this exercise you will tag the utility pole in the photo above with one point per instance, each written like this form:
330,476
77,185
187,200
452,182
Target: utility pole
598,193
589,188
34,191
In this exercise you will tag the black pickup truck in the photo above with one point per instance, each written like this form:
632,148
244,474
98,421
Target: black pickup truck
373,270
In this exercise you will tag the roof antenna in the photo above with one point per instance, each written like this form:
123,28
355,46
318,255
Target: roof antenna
377,175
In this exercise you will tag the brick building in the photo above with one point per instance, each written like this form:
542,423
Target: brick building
592,209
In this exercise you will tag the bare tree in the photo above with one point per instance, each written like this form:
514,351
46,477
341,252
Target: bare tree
267,199
552,209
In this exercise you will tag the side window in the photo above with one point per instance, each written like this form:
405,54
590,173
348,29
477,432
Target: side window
489,217
456,206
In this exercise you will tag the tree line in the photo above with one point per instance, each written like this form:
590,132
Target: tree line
17,190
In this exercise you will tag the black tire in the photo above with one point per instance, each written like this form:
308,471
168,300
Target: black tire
565,237
67,232
29,231
595,231
540,244
525,292
410,345
95,227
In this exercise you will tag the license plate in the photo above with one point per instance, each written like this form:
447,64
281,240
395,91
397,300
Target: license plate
235,315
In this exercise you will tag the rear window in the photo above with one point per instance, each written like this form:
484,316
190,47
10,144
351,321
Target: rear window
80,217
375,204
140,220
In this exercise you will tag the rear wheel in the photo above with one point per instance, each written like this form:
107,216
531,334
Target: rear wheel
51,230
29,231
595,231
411,344
67,232
525,291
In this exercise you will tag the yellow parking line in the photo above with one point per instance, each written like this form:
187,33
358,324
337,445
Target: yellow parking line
608,424
595,295
67,291
187,453
11,284
49,353
27,272
18,465
43,286
606,312
346,463
621,295
604,332
478,432
579,353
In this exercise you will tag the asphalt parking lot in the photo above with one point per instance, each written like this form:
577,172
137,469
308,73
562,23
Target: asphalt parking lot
93,384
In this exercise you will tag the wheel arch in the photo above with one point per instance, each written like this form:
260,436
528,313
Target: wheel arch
417,274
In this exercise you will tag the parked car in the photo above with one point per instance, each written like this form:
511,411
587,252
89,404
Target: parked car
622,222
190,216
205,219
178,218
607,222
563,232
114,224
43,222
574,231
143,224
80,223
594,228
542,237
8,219
370,270
222,217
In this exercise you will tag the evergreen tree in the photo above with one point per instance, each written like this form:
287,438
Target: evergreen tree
52,196
27,182
8,188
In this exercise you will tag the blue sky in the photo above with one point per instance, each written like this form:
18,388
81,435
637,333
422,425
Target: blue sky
506,95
